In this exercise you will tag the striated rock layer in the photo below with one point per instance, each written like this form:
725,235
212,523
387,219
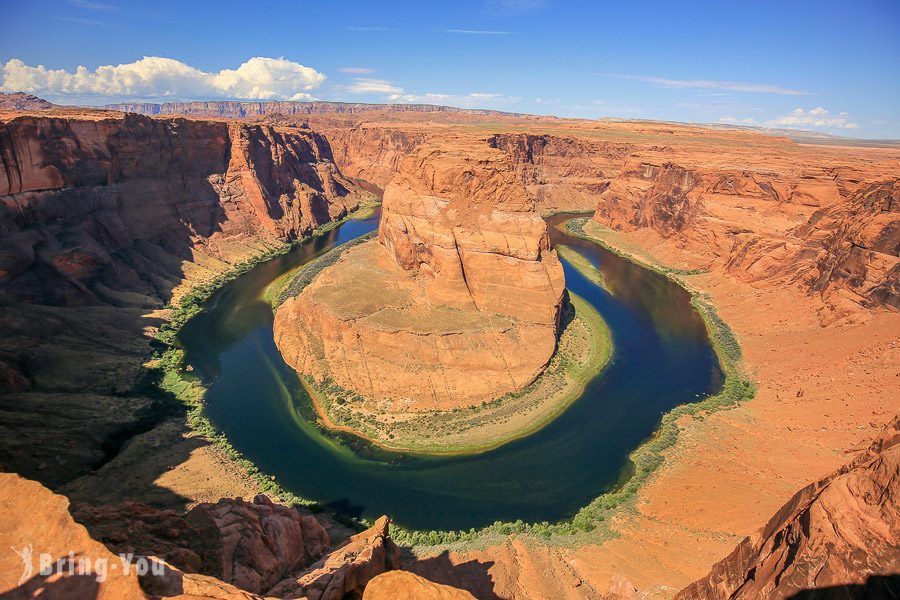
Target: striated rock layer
104,219
457,302
251,545
835,232
87,205
839,532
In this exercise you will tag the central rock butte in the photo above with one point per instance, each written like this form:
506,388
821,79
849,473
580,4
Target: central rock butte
456,303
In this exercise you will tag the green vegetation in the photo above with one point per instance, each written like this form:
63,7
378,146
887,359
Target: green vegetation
576,227
364,211
166,372
590,522
583,349
582,265
168,369
303,275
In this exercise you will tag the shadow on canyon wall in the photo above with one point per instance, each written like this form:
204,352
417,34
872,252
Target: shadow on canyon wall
100,221
473,575
882,587
99,227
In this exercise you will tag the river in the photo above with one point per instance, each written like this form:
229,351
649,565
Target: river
662,358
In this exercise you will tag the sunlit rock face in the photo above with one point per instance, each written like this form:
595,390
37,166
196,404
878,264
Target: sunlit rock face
456,302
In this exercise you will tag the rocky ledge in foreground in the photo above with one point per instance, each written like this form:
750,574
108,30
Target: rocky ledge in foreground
839,535
228,549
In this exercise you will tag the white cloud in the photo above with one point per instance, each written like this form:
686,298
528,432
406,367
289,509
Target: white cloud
471,100
392,92
816,117
156,77
709,84
728,119
367,85
356,70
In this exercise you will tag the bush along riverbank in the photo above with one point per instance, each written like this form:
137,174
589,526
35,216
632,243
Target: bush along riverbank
590,523
166,376
584,348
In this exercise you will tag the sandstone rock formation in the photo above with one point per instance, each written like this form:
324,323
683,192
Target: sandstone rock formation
22,101
105,210
346,571
229,550
765,209
105,218
838,234
841,531
113,235
458,301
35,521
562,173
402,585
252,546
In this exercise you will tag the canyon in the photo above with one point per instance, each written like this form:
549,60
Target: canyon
108,219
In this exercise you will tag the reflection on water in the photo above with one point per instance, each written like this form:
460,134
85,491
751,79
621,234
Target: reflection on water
662,359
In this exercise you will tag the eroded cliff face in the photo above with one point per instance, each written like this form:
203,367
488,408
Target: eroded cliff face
762,209
95,208
562,173
457,302
371,153
460,219
104,219
828,233
839,532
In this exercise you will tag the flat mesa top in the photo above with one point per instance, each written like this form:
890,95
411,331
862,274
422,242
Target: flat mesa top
367,284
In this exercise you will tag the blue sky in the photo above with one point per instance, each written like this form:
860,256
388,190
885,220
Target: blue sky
825,65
